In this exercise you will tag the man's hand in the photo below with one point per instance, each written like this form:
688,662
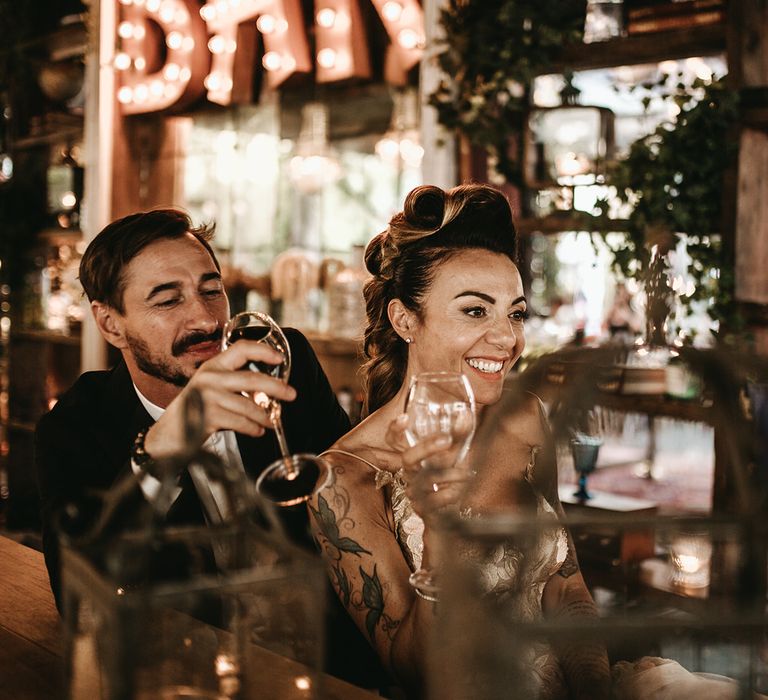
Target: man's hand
227,393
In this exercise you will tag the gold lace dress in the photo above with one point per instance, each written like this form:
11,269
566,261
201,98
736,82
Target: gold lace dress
516,578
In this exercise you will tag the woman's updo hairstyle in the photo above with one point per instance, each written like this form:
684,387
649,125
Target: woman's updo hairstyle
433,226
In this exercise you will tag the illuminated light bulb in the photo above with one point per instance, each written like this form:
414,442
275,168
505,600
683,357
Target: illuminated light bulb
281,26
231,46
140,63
139,32
212,81
326,58
126,2
153,5
122,61
169,90
272,60
174,40
167,11
388,149
411,152
138,3
181,16
125,95
303,683
227,85
216,44
326,17
289,63
157,87
68,200
185,74
171,71
207,12
125,30
222,6
141,93
343,21
266,24
343,60
408,39
392,11
188,44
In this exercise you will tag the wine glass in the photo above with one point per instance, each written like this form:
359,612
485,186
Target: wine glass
440,403
292,479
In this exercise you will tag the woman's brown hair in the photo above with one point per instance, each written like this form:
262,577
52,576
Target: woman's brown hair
433,226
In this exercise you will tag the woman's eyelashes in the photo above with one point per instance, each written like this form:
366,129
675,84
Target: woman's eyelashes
516,315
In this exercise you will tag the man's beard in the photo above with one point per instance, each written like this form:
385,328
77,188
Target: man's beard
162,368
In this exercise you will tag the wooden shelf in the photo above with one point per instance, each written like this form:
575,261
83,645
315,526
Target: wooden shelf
646,48
21,426
657,405
43,336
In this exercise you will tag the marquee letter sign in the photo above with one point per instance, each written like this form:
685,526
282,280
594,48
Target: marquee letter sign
213,47
147,82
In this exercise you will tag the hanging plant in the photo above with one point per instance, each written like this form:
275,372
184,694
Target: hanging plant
491,52
673,179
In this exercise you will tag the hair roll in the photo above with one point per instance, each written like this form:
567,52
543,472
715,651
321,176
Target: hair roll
434,225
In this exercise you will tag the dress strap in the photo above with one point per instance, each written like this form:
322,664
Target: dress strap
352,454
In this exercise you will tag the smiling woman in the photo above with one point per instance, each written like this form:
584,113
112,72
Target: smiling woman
446,296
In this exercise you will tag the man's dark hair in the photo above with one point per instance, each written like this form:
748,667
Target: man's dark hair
102,269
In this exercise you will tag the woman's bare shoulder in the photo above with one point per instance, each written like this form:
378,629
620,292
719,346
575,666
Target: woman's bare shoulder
525,418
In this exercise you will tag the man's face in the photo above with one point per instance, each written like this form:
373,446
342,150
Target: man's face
174,310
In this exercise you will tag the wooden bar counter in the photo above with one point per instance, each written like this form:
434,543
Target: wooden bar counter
31,642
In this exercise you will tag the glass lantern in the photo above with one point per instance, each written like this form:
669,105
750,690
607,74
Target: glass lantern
211,611
688,615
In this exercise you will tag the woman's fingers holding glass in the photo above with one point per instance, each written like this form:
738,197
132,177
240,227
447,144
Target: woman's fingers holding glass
433,491
414,458
395,436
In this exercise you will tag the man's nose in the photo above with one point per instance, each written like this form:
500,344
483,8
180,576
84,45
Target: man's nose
202,316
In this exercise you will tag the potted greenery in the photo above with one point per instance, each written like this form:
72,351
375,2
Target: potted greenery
491,51
673,179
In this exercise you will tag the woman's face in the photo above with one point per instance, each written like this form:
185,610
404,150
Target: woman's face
472,321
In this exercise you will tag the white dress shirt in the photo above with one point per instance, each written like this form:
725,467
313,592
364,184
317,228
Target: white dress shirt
222,443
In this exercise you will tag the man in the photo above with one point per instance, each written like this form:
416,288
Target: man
156,294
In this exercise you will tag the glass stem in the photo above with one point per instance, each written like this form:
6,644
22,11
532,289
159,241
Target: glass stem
277,421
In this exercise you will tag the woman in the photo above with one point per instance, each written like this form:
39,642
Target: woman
446,294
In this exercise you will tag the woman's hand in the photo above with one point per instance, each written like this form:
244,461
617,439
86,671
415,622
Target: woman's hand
429,490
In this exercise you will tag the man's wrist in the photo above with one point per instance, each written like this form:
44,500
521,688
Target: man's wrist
139,454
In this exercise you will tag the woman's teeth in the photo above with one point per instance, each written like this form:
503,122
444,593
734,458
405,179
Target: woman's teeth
487,366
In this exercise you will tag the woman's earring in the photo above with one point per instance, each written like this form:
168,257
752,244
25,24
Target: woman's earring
408,340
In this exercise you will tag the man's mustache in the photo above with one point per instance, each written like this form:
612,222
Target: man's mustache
188,341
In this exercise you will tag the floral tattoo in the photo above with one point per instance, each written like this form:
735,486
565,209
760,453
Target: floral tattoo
369,599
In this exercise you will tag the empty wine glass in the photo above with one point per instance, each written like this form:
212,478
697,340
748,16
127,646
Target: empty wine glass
292,479
440,403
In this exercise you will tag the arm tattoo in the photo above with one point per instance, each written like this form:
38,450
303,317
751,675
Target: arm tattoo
335,547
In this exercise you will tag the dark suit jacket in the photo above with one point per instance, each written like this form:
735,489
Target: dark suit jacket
83,445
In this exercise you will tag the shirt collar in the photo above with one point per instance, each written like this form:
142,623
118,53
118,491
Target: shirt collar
154,411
